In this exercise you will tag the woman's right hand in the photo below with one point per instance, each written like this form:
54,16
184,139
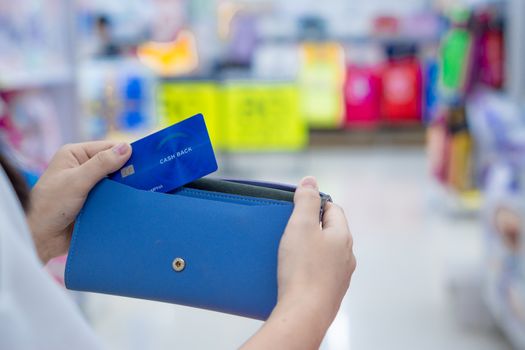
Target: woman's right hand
316,263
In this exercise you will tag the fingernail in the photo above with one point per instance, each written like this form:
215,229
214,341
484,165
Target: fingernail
121,149
309,182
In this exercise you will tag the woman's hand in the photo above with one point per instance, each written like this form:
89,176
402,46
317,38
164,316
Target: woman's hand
61,192
315,266
315,262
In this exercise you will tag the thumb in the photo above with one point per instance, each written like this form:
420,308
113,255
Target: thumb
307,203
102,164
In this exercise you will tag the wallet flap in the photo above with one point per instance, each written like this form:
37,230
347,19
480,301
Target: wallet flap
126,241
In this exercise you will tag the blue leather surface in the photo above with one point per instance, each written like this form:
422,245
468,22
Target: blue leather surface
125,241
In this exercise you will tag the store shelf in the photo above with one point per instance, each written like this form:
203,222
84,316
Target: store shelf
409,135
25,79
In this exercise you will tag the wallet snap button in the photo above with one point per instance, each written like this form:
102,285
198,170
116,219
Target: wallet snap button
178,264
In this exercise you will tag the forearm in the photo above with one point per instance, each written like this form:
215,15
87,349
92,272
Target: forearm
292,325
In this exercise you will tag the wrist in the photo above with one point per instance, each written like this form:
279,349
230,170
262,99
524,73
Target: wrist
298,321
309,311
42,246
319,300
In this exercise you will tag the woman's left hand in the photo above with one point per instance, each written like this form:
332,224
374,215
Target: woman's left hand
62,190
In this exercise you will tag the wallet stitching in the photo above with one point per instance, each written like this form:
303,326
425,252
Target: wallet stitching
219,195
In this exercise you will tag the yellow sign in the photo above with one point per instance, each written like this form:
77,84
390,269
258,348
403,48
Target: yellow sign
262,116
321,79
179,100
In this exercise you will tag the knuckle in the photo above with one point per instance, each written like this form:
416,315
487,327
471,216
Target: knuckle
101,158
68,147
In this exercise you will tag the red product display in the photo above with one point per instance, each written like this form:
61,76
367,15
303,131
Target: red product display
492,57
402,91
362,92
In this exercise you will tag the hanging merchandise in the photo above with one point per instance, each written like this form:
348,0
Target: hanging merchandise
437,148
453,158
262,116
177,99
456,56
491,50
498,127
471,54
402,90
321,79
362,93
31,129
505,250
431,87
488,113
460,151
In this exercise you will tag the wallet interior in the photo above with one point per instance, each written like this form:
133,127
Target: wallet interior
229,187
253,189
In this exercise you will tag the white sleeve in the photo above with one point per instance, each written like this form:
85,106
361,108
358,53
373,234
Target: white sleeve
35,312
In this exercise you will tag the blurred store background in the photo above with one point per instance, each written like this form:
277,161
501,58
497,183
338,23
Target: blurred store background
409,112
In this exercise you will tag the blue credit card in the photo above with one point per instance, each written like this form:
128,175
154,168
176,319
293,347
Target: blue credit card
169,158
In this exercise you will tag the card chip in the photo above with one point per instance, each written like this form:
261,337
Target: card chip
127,171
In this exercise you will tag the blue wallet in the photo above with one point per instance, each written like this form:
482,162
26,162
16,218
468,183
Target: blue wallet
211,244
